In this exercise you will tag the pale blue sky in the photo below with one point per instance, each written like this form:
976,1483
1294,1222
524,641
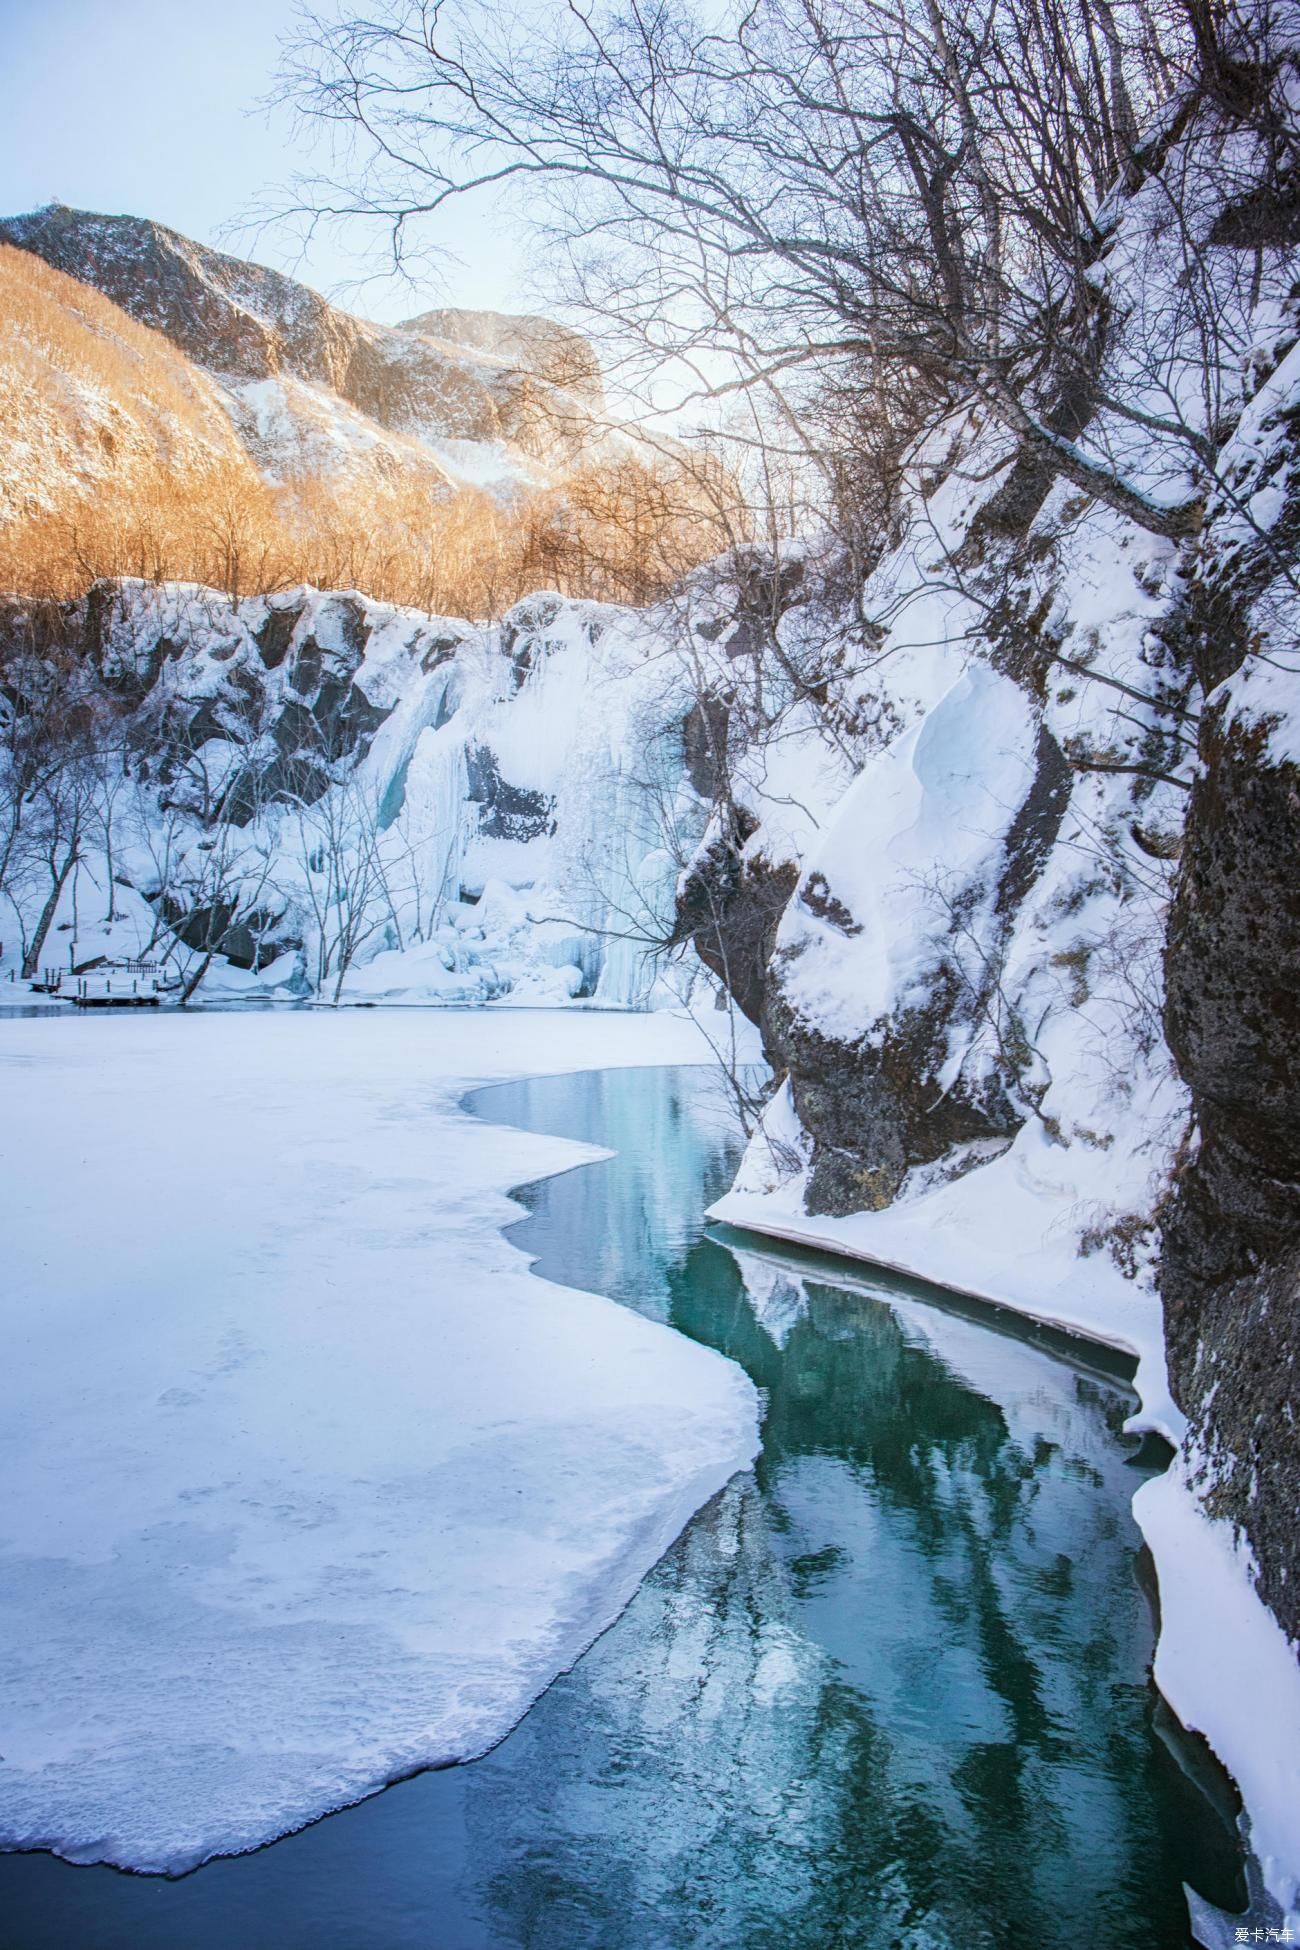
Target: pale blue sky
150,107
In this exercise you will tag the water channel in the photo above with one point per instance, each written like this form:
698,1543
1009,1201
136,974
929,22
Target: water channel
890,1691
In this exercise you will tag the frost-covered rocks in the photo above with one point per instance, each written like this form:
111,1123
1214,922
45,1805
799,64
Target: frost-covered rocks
886,1006
333,795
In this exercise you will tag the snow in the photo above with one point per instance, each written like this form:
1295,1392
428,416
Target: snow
482,463
901,876
1247,1705
1005,1233
937,805
309,1481
1264,693
893,805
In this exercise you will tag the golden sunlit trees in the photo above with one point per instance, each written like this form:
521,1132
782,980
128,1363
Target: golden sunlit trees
118,458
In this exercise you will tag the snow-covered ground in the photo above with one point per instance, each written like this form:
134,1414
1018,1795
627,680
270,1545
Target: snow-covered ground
308,1481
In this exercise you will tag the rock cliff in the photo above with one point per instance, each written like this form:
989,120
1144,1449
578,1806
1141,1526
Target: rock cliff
1032,985
467,396
292,793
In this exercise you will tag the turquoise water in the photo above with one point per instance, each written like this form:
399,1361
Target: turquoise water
891,1689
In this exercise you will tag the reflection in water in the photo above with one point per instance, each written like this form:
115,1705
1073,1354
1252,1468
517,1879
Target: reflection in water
891,1690
895,1691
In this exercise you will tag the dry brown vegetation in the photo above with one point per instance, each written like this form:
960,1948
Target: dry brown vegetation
88,396
120,459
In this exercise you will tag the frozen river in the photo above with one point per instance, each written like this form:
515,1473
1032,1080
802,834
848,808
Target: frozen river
308,1482
889,1687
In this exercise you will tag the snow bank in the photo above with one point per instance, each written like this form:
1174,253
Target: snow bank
1247,1705
1005,1233
309,1482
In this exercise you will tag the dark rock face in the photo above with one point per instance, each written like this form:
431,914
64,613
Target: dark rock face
250,940
704,746
1230,1269
294,712
523,633
1033,831
1230,1245
506,812
877,1108
297,778
276,634
730,909
324,718
874,1112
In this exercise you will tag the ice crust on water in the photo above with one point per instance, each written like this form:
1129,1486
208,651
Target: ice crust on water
310,1482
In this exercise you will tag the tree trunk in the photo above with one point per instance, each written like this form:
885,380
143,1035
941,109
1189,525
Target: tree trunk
11,836
111,915
32,959
1174,521
194,980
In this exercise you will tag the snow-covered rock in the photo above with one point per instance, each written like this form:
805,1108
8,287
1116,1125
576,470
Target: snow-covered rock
413,807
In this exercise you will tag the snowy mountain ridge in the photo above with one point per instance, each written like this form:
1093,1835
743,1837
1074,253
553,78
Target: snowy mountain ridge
458,397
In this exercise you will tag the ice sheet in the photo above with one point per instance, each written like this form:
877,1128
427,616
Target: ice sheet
308,1481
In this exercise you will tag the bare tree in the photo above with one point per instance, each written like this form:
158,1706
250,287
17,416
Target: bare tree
226,876
343,877
60,814
915,189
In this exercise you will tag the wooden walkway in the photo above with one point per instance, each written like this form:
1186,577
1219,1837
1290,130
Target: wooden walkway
115,985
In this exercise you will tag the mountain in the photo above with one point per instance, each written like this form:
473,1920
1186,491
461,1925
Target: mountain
170,412
115,449
555,353
462,397
90,400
